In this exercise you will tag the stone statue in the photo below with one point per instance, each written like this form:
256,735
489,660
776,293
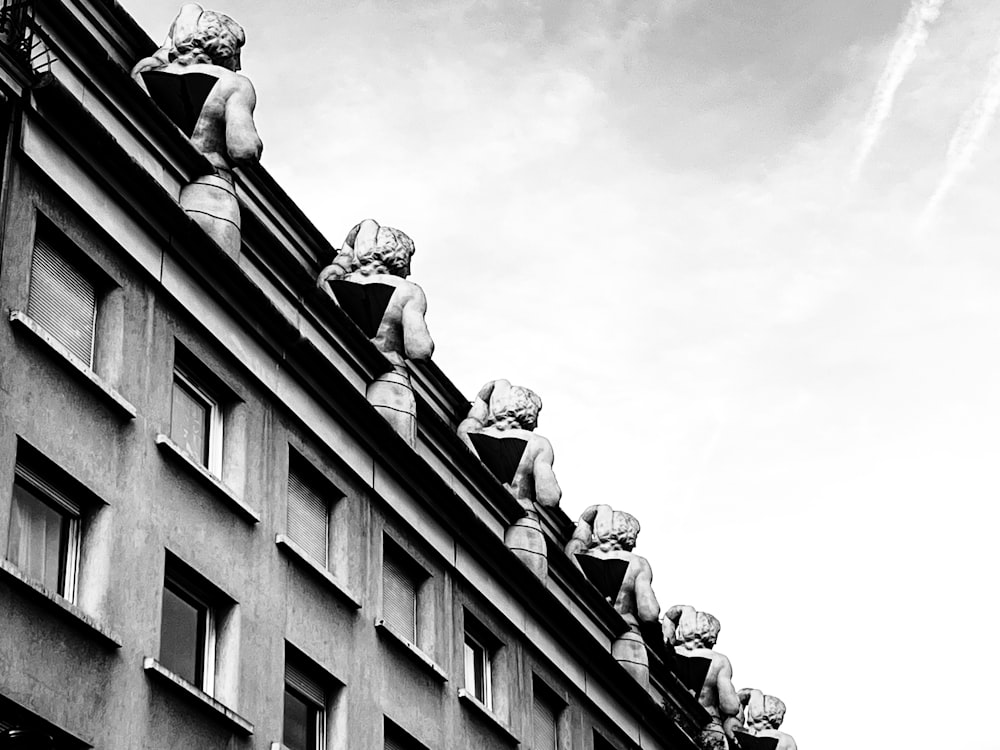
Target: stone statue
601,546
693,635
193,78
764,714
368,279
500,430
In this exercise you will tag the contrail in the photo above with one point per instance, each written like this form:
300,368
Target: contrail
968,137
913,34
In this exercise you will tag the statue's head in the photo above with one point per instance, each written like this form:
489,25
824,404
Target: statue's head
703,634
774,714
622,534
214,38
516,407
379,249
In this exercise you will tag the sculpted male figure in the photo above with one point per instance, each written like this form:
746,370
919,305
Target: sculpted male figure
193,78
764,714
608,534
502,411
500,430
376,261
694,634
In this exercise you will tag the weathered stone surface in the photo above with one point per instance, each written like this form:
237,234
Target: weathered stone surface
193,78
609,536
693,635
763,715
368,279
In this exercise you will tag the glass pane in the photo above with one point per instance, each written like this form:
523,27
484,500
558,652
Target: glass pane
300,723
180,637
36,539
475,671
189,422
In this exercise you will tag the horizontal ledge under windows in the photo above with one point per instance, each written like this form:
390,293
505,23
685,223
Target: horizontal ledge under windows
161,674
185,460
302,558
490,718
411,648
62,607
76,366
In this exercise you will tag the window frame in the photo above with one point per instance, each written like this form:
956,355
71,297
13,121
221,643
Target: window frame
542,694
214,420
71,511
183,585
54,241
480,654
328,494
417,573
316,705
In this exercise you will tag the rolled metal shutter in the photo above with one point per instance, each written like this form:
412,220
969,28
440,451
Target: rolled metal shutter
543,726
399,598
308,518
62,301
305,685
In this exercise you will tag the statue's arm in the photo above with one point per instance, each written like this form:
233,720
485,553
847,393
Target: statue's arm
647,608
729,700
753,700
673,616
581,535
547,490
242,142
338,269
417,341
479,412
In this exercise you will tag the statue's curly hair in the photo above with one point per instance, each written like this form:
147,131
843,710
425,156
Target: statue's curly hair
205,43
624,530
704,634
522,406
390,254
774,711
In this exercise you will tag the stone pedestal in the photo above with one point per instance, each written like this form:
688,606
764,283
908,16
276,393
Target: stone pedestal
630,651
525,539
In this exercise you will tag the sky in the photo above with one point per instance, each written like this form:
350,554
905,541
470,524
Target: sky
745,251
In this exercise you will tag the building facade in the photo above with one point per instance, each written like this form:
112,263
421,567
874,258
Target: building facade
210,538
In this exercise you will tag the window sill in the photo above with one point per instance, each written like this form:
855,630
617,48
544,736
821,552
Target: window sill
63,606
423,659
303,558
158,672
112,398
468,699
170,449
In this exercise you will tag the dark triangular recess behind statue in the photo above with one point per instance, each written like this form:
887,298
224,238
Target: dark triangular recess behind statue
365,304
692,671
751,742
606,574
180,95
502,456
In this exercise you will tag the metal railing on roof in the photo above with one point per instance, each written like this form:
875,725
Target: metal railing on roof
20,36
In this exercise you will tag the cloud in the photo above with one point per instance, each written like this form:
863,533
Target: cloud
973,128
912,36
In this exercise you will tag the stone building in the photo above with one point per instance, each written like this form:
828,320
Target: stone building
209,537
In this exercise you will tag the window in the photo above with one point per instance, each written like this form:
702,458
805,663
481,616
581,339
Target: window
187,635
305,710
196,420
308,512
478,672
399,593
61,298
198,630
545,718
600,743
397,739
44,535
